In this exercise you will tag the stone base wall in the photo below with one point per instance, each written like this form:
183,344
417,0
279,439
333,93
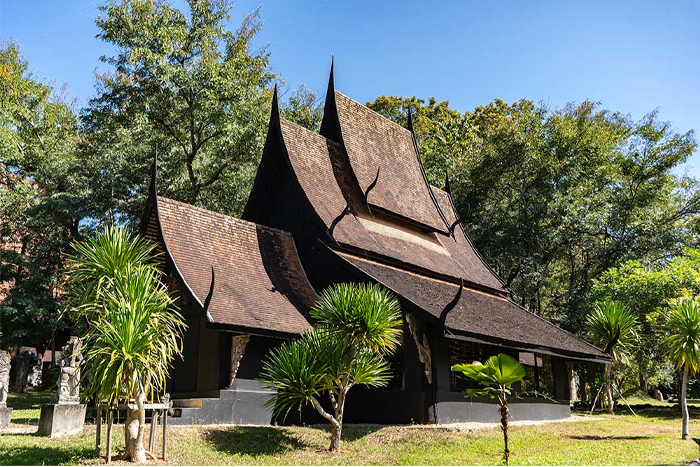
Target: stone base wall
58,420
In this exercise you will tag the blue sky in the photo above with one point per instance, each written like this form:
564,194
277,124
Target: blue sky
631,56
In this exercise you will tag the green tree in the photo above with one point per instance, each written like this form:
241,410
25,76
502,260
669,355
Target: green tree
133,328
648,289
497,376
356,327
303,108
683,347
41,199
182,81
613,327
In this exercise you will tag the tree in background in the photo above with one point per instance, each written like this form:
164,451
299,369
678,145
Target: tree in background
182,81
613,328
133,328
497,376
648,290
303,108
683,347
356,327
553,198
41,200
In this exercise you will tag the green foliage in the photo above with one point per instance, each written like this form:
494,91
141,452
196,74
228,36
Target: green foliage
357,325
133,328
359,316
182,81
303,109
41,200
613,328
496,375
682,343
99,261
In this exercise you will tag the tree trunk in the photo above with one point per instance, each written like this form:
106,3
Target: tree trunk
684,402
608,388
335,437
134,429
504,427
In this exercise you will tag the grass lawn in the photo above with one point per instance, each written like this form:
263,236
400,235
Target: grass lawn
653,438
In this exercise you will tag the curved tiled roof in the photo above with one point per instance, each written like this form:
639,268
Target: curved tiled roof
490,317
259,281
372,142
318,166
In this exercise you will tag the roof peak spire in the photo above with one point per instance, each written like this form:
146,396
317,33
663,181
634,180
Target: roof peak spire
152,189
410,120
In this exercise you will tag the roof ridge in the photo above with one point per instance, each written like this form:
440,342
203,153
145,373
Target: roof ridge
374,112
226,217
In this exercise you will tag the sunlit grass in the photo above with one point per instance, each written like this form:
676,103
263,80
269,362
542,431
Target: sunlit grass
653,438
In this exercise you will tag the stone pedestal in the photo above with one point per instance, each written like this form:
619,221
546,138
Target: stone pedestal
61,419
5,416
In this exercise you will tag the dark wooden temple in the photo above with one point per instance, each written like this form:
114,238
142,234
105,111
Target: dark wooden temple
350,204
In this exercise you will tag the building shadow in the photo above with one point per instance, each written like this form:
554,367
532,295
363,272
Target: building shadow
253,440
45,455
354,432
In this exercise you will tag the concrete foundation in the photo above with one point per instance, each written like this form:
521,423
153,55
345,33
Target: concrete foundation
5,416
456,408
243,405
61,419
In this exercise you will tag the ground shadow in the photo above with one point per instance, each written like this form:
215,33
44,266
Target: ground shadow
253,440
29,399
355,432
605,437
44,455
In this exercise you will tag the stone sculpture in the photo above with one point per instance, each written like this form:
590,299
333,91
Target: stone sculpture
65,414
69,381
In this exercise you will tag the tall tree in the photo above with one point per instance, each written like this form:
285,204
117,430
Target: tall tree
41,199
180,80
133,330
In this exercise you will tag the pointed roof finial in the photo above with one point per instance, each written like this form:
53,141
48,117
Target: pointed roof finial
152,191
448,188
331,77
275,109
410,119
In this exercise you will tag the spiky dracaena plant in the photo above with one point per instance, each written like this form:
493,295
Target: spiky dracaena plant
682,345
356,327
612,327
496,375
133,330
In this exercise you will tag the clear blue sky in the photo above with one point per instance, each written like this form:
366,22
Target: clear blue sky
631,56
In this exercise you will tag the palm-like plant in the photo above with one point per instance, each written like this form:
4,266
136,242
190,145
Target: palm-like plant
496,375
133,328
612,327
683,347
357,326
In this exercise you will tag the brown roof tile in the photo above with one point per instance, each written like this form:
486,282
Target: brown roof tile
372,142
260,283
477,313
313,157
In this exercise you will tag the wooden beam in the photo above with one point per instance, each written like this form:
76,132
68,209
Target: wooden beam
98,433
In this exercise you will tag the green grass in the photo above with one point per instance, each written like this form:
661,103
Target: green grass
26,407
653,438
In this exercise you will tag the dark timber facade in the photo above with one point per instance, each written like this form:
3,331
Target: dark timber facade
350,204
